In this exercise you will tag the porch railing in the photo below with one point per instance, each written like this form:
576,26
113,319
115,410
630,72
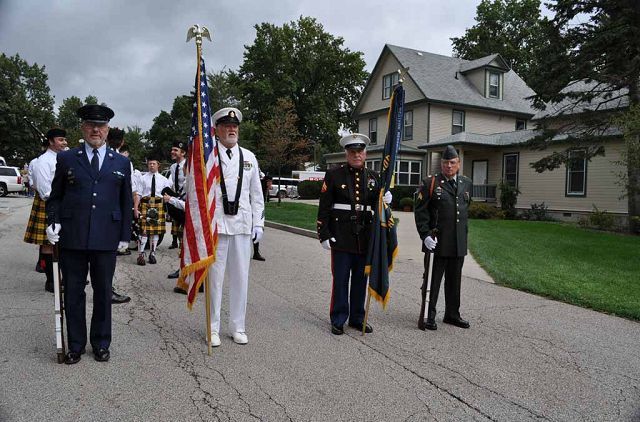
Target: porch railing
484,193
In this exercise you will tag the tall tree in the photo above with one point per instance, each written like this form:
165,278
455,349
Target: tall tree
513,28
136,140
69,120
310,67
24,92
594,73
167,127
280,137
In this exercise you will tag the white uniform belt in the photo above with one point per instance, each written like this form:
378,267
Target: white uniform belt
347,207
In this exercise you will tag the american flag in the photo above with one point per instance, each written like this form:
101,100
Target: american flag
200,232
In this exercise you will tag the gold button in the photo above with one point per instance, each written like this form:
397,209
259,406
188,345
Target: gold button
357,185
357,198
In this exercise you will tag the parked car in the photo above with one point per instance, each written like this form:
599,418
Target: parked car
284,187
10,180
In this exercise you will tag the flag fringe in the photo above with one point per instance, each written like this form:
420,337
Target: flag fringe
203,264
383,300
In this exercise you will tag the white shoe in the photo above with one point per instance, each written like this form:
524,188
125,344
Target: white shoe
215,340
240,338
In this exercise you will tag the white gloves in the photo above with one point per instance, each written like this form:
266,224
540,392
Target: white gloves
257,234
325,244
430,242
387,197
123,245
52,233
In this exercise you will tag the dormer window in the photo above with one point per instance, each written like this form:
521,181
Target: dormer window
494,85
388,82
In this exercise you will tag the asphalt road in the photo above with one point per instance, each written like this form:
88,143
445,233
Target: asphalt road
525,357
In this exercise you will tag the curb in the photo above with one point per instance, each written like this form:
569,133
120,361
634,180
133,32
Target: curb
291,229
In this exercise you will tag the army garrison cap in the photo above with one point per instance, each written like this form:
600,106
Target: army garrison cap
180,144
355,141
95,113
56,132
449,153
227,115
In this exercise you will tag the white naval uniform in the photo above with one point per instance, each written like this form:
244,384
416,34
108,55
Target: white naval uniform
143,187
43,170
234,237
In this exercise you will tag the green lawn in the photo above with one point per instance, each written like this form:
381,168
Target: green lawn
587,268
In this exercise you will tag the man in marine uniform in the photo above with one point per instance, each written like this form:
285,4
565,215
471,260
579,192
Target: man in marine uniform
441,219
89,212
42,171
239,215
348,197
149,209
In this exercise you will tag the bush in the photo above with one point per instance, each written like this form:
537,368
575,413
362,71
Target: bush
538,212
601,220
508,198
406,202
484,211
400,192
309,189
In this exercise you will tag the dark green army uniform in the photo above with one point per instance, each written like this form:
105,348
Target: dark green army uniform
445,209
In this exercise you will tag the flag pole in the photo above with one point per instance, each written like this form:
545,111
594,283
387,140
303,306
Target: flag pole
366,313
197,32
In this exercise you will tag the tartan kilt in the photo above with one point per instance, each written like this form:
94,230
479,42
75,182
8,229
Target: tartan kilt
177,229
147,228
36,231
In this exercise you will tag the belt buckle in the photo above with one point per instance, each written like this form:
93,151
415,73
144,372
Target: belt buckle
359,207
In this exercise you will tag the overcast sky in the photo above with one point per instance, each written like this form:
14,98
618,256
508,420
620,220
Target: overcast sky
132,54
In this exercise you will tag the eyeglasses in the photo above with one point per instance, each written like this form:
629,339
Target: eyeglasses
99,125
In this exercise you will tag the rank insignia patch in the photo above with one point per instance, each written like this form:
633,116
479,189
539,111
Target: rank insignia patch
324,187
248,165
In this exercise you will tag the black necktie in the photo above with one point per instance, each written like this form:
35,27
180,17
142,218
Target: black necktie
452,182
95,162
229,153
175,179
153,185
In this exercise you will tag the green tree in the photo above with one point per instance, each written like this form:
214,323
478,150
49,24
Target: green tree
135,139
167,127
24,93
513,28
68,119
310,67
592,69
280,137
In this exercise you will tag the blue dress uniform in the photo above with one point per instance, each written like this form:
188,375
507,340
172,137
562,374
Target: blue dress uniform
347,198
94,210
445,208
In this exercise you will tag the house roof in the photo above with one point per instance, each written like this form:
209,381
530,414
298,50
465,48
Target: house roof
605,100
484,61
440,79
494,140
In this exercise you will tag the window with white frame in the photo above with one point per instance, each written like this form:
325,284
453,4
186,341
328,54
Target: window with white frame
373,165
577,173
408,125
510,168
458,122
408,172
373,130
388,82
494,85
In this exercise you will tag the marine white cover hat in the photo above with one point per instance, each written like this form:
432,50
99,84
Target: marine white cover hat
355,140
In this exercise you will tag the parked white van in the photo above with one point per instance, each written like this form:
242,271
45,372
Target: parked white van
284,187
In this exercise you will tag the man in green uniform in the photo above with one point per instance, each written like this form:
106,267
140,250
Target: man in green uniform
441,220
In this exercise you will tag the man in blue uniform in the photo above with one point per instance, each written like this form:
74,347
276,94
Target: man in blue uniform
441,220
348,196
89,212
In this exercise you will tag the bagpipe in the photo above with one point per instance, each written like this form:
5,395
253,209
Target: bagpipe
175,213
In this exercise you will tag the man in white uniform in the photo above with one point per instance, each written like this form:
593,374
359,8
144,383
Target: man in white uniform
43,170
240,218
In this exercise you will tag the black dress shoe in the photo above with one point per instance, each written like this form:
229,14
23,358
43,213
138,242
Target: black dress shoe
102,355
179,290
458,322
258,257
48,286
118,298
368,329
72,357
430,324
173,246
175,274
152,258
337,330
